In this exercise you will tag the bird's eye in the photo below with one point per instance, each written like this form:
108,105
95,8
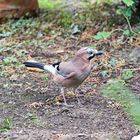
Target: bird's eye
90,52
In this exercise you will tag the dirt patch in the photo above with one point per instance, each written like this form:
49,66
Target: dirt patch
97,118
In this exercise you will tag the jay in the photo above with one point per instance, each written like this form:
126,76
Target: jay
72,73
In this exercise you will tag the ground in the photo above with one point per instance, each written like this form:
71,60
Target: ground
32,103
97,118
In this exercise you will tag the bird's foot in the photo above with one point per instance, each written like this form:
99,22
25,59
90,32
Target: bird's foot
80,104
67,105
78,101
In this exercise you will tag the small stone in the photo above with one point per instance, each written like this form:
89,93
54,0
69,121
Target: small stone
135,54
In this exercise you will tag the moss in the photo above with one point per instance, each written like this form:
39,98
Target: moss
119,92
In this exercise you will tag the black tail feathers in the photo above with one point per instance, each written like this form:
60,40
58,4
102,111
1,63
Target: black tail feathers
34,65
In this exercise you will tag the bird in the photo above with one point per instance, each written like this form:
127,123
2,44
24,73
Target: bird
71,73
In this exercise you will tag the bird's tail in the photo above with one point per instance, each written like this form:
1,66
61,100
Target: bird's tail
49,68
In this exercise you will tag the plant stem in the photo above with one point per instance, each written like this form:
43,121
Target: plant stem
128,22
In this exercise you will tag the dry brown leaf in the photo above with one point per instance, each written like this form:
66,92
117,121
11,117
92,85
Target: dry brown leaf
85,35
60,51
11,71
36,104
46,38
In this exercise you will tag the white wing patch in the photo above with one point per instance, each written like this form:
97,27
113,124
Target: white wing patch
50,68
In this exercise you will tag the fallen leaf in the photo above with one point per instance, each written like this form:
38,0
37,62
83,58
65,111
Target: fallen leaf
36,104
11,71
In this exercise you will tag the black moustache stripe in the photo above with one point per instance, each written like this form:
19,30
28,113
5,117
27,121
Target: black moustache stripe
91,57
55,64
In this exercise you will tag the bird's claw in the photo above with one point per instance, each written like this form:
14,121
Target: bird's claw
67,105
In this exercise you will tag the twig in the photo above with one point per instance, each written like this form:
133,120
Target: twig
117,30
134,69
128,22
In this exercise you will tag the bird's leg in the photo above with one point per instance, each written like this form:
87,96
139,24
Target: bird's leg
63,94
74,91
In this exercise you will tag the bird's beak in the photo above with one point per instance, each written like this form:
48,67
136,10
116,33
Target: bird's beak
99,53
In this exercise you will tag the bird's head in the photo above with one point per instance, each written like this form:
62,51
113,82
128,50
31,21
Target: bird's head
88,53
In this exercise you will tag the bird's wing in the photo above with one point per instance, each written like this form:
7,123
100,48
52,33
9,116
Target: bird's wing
71,75
66,69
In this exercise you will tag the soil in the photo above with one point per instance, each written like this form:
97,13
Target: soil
36,109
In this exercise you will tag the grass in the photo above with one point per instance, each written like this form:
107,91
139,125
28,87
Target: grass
119,92
35,120
48,4
6,125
